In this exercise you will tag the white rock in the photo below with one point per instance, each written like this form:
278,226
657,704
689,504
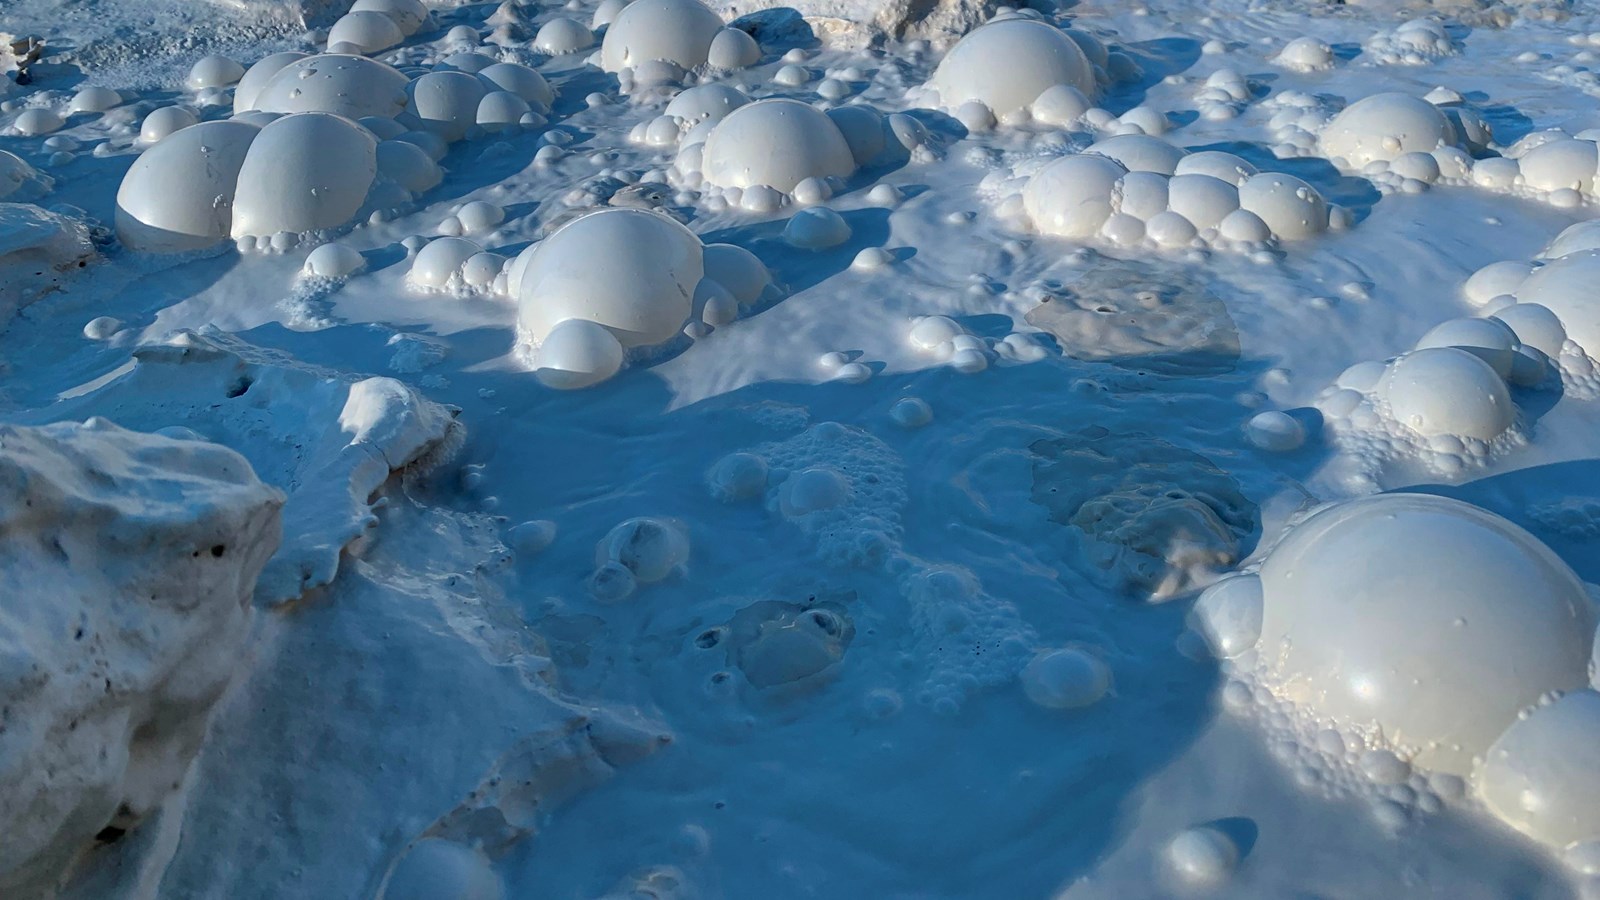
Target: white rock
129,565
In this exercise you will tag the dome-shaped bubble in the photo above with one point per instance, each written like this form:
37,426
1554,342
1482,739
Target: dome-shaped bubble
407,165
1446,391
577,353
563,35
777,143
1139,153
1007,64
733,48
676,31
256,77
434,868
163,122
1543,775
303,173
1070,196
1426,618
522,81
410,15
1142,195
1066,679
1289,206
1535,326
440,261
1567,288
1306,54
863,129
178,195
1491,340
471,62
1573,238
94,99
706,103
1383,126
446,102
501,109
1219,165
1203,200
349,86
1561,164
632,270
1243,225
370,31
1496,279
334,260
37,121
650,548
738,270
213,70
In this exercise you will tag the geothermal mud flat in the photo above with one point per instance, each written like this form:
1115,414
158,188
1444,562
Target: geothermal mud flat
849,449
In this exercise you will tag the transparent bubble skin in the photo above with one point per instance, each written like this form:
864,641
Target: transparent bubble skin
1427,619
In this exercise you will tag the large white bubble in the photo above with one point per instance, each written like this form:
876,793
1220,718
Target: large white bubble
446,103
706,103
1566,287
304,173
677,31
178,195
256,77
371,31
1447,391
632,270
1070,196
1384,126
1423,618
1140,153
1543,775
350,86
1289,206
1561,164
410,15
776,143
1007,64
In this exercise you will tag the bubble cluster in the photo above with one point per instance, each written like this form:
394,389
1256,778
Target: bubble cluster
969,640
1417,42
1549,307
1136,190
762,155
268,188
1446,404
